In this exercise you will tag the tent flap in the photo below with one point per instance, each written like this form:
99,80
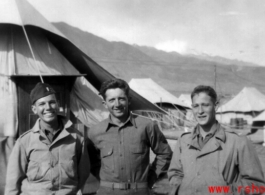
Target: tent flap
8,107
86,104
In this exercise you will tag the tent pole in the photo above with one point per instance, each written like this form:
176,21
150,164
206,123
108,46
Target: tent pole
31,50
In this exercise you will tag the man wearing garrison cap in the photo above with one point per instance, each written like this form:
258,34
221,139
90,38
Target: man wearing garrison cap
50,158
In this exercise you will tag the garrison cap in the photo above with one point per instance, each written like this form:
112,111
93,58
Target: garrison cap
40,90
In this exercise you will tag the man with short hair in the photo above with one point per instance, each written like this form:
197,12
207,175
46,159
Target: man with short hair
210,158
51,158
120,146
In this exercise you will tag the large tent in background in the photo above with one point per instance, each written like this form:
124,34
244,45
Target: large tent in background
156,94
186,99
247,104
31,47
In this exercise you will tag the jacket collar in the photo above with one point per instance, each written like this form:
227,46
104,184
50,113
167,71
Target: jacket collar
217,129
66,124
213,144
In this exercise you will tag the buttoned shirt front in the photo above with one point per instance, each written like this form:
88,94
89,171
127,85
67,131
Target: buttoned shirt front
124,151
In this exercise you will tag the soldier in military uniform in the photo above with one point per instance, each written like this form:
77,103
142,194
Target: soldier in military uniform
50,158
211,157
120,146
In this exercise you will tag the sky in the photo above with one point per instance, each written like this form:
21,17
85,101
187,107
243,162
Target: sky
229,28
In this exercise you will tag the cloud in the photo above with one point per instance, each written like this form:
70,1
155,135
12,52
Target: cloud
174,45
231,13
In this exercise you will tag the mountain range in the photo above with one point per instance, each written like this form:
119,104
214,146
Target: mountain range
175,72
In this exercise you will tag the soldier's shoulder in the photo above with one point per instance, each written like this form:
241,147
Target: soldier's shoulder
230,132
185,134
25,137
27,133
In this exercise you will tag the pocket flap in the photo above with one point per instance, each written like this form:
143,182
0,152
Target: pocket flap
106,152
138,149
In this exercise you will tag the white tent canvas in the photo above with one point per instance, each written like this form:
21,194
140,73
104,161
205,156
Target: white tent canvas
247,104
247,100
260,117
186,99
153,92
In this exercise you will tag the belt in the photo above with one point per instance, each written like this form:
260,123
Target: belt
123,186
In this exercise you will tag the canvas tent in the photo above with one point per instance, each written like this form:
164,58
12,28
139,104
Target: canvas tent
247,104
54,54
186,99
260,117
31,48
154,92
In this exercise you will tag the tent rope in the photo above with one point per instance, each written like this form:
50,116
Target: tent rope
31,50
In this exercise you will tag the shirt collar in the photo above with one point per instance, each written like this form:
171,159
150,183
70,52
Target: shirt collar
108,122
216,130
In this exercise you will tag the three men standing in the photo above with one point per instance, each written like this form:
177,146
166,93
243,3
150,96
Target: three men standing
122,144
51,158
210,157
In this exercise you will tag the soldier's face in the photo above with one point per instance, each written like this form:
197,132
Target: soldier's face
117,102
46,108
203,109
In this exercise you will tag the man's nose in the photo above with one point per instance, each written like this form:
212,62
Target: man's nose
117,102
200,109
47,106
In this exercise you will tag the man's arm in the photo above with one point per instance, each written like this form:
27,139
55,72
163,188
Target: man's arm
95,160
250,169
160,147
16,169
83,164
175,171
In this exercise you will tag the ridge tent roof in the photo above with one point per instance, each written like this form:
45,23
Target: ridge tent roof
186,99
260,117
247,100
153,92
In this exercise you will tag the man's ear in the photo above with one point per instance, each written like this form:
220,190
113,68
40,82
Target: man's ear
104,104
34,109
216,105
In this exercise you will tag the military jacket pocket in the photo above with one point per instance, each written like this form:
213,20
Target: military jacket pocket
107,158
68,170
139,156
37,171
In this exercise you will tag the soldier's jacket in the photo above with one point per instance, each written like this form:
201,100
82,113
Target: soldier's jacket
35,167
227,159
